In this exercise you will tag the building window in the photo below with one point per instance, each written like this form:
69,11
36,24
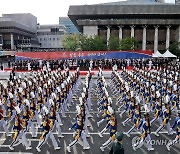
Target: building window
53,39
40,39
54,29
44,39
50,39
58,39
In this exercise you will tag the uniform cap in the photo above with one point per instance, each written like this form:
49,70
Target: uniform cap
51,102
53,95
132,94
58,89
158,94
84,89
80,100
110,110
17,109
119,136
78,109
11,95
174,87
83,95
32,94
109,100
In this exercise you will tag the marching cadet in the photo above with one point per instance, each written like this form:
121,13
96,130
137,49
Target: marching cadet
112,126
3,122
166,114
158,109
80,132
79,128
125,102
53,118
147,105
11,108
38,109
85,115
177,138
145,135
105,115
47,132
61,99
174,100
131,110
18,128
136,120
59,106
27,118
153,99
3,105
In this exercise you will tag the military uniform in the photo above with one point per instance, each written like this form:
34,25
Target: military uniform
18,128
117,147
177,138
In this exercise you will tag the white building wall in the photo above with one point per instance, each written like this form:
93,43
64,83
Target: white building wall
51,41
90,30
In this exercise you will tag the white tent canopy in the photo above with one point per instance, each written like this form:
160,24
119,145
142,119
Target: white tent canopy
157,54
168,54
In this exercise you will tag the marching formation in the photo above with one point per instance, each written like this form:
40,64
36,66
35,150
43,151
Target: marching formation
154,92
106,111
81,123
42,97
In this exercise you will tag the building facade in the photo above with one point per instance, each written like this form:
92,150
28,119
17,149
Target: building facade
51,36
18,31
155,25
177,1
71,28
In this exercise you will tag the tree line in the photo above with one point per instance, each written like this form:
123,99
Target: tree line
78,42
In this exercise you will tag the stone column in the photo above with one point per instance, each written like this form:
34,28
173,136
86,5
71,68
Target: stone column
120,32
108,34
179,34
132,31
144,38
156,39
12,41
167,37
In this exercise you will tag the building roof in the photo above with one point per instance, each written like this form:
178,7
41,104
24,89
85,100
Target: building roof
134,2
126,11
22,23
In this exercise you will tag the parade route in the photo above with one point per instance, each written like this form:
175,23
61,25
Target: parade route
94,140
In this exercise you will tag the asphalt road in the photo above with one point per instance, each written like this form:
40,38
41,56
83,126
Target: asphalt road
95,141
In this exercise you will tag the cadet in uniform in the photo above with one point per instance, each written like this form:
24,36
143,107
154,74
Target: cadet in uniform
177,138
112,126
18,128
145,135
3,122
47,128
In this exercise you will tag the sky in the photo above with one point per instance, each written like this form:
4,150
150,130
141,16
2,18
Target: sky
46,11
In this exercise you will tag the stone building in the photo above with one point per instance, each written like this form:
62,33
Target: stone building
154,24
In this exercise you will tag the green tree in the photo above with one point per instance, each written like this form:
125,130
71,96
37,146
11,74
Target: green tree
71,42
175,48
77,42
85,43
114,43
129,44
97,43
